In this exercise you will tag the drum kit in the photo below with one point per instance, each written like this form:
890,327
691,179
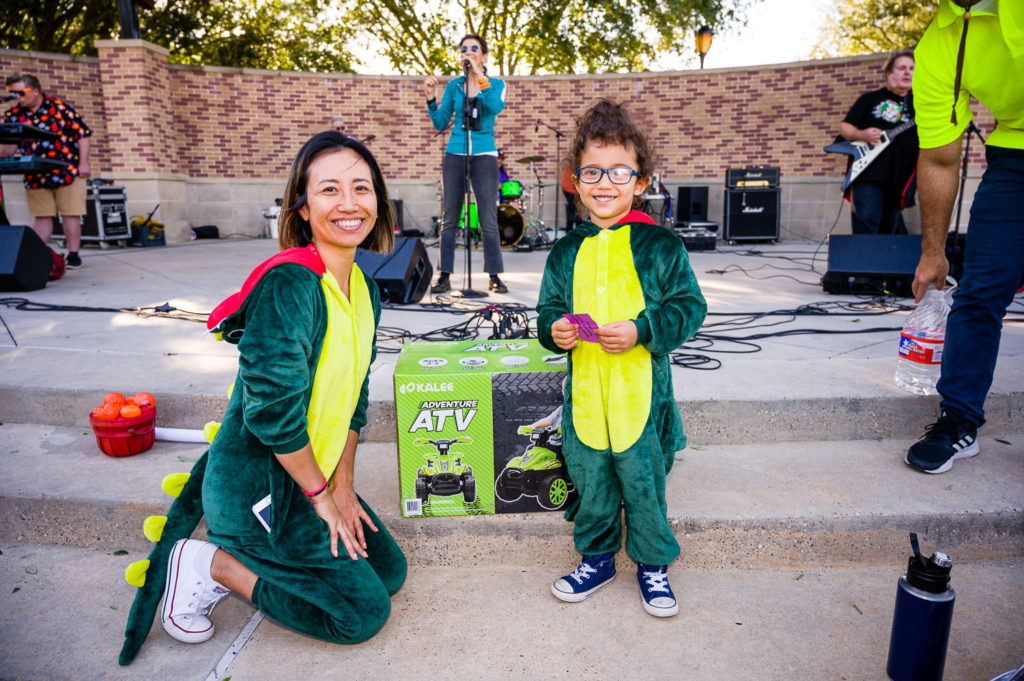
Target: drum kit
519,212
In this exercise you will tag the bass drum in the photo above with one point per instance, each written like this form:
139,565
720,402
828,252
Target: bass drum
510,224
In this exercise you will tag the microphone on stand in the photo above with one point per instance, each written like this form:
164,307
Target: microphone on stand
368,138
9,97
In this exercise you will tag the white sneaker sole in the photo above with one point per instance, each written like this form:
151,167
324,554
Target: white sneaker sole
659,612
570,597
965,453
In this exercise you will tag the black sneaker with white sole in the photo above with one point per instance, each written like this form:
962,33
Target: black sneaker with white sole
73,261
948,439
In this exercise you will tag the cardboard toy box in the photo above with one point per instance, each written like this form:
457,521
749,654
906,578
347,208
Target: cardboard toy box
479,428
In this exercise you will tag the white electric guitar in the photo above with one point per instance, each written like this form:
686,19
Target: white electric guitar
863,153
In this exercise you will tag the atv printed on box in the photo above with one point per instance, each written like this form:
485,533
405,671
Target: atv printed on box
444,474
539,472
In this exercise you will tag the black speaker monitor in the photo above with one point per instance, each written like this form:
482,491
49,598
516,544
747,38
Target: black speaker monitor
872,263
25,261
403,275
752,214
692,205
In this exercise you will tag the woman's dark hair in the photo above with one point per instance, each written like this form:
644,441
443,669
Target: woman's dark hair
483,46
890,63
608,122
295,231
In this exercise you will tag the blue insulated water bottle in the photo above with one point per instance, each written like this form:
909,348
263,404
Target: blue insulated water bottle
921,620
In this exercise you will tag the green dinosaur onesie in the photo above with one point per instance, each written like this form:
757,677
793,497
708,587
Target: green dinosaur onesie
304,354
621,424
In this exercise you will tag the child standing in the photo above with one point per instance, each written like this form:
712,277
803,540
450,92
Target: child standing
620,423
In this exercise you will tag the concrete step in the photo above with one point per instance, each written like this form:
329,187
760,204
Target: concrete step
742,403
751,506
63,610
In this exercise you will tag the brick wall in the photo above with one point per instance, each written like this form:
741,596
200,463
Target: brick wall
160,123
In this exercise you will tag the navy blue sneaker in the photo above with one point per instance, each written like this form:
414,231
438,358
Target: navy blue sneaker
591,574
655,591
946,440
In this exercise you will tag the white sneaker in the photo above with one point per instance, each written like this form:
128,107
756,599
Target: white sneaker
190,596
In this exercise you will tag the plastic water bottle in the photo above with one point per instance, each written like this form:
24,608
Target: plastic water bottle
921,618
921,344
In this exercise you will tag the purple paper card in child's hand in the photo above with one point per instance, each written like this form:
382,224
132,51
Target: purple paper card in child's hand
585,326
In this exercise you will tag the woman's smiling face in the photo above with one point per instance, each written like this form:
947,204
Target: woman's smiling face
341,205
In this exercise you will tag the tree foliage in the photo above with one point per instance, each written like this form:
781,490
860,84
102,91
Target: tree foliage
418,36
871,26
539,36
62,26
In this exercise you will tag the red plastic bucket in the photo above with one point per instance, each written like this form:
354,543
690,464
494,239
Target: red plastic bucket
125,436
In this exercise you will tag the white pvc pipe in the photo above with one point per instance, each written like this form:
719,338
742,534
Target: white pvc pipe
180,435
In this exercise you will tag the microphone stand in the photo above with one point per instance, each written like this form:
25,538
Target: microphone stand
558,177
467,116
955,249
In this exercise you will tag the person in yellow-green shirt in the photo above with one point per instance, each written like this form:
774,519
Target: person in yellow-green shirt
973,48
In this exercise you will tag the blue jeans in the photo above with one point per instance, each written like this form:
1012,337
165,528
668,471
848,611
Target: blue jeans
993,270
876,209
483,173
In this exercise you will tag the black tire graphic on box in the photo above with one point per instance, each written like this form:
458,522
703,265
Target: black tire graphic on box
421,490
469,489
501,489
553,492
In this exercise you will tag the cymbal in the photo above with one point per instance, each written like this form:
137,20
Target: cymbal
530,159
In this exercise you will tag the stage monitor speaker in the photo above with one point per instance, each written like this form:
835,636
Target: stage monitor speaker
25,261
692,205
752,214
872,264
403,276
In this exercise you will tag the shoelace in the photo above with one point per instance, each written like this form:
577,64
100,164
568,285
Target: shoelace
657,581
204,599
581,572
944,426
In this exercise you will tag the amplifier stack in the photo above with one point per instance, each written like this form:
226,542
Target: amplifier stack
752,204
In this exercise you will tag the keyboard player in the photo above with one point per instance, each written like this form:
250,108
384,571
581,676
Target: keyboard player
61,190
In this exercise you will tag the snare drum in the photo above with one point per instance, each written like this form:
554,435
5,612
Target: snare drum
510,224
511,189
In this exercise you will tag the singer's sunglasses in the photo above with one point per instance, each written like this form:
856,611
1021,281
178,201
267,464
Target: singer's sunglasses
618,174
21,93
467,48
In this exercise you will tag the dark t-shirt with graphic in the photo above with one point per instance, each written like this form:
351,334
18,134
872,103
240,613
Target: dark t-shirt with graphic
885,110
58,117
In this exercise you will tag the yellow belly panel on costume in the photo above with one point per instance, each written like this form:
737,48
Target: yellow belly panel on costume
344,361
611,394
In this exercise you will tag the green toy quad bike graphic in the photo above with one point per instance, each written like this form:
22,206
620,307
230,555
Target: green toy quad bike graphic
445,475
539,472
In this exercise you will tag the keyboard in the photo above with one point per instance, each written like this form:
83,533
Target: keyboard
12,133
19,165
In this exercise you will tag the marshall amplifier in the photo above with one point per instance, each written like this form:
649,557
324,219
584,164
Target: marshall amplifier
752,214
752,176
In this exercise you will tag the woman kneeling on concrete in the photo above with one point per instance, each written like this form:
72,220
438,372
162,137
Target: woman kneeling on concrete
287,530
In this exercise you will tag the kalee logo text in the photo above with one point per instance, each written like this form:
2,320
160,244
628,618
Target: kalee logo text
407,388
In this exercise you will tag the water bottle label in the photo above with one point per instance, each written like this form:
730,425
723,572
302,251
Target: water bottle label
919,350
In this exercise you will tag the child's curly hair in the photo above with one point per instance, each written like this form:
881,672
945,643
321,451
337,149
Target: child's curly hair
608,122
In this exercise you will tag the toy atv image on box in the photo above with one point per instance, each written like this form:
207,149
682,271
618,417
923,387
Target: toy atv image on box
444,474
540,471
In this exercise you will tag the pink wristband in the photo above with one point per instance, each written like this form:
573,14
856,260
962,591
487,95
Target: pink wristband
310,495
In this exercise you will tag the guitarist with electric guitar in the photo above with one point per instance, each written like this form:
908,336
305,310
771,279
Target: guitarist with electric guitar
879,135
